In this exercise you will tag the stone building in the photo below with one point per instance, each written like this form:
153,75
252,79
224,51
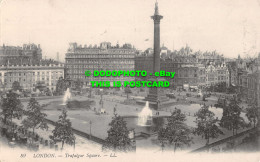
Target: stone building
233,73
144,62
243,76
185,67
26,66
207,57
249,85
46,73
104,57
249,80
31,52
216,73
189,72
202,77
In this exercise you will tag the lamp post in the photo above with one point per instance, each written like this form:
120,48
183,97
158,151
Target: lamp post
115,109
90,91
131,136
101,98
74,144
90,122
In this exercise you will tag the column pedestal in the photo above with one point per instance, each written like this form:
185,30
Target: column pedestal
156,96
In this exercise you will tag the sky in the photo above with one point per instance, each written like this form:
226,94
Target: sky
230,27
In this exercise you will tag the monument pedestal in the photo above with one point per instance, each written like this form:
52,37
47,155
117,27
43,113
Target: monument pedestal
156,96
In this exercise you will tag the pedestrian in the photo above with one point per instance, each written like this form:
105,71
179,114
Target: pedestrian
115,109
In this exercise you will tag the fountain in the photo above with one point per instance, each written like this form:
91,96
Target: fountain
67,96
145,116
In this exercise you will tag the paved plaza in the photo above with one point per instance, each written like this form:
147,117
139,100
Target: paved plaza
99,122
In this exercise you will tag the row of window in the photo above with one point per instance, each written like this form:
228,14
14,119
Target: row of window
201,80
31,79
29,73
101,78
221,72
91,70
222,78
100,66
31,85
102,56
101,61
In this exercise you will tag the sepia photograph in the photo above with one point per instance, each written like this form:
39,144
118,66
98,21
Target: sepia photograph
130,80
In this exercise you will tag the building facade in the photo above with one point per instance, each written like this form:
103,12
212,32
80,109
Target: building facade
29,76
202,77
216,74
26,66
249,80
190,71
144,62
185,67
97,58
207,57
31,52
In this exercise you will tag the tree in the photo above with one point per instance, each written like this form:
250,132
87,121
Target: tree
35,118
176,132
220,87
48,92
232,89
231,118
251,114
204,97
158,124
206,124
221,102
11,107
16,86
63,131
41,86
78,85
127,91
225,121
162,137
61,86
118,136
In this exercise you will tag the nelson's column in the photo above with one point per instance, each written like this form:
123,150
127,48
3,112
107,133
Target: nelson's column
156,97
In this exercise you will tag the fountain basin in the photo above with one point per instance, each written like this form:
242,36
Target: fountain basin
145,130
145,116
